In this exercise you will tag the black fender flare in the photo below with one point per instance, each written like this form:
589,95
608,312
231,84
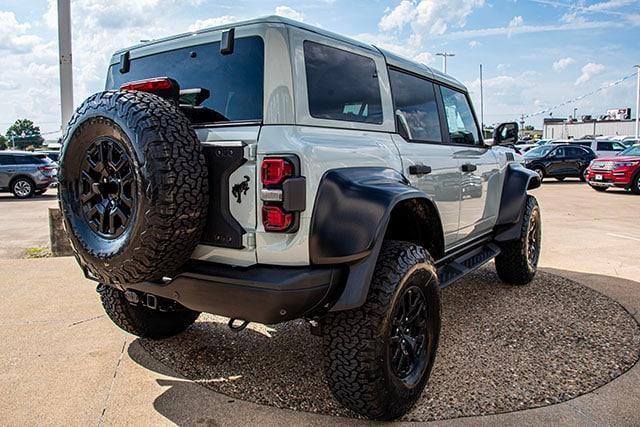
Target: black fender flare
517,181
350,217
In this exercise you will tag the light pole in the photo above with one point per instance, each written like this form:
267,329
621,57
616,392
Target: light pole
66,65
638,104
481,102
575,114
445,55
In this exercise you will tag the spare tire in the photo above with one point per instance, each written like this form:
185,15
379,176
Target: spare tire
133,187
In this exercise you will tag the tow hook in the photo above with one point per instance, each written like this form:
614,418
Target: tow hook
237,327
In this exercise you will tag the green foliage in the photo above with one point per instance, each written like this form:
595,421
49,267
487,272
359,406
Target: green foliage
24,133
3,142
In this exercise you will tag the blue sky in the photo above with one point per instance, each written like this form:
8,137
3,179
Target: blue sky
535,53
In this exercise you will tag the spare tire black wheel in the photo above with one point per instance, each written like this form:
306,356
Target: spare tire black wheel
133,187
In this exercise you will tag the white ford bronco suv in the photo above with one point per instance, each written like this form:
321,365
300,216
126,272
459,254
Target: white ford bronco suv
268,171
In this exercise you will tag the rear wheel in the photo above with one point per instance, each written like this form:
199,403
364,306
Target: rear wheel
23,188
142,321
518,260
379,356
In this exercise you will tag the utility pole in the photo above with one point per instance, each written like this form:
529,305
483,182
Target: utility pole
575,114
445,55
481,103
638,105
66,64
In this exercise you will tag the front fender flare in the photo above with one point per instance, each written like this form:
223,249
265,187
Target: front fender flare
517,181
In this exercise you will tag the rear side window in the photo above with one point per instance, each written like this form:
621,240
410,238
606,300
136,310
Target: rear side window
416,108
234,82
341,85
605,146
5,159
462,125
26,160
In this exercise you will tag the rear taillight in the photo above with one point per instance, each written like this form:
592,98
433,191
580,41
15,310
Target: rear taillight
275,170
278,174
149,85
46,168
274,218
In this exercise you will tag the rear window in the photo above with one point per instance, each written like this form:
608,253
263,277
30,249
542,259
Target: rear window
341,85
235,81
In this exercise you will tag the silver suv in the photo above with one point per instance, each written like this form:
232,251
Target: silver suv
269,170
26,174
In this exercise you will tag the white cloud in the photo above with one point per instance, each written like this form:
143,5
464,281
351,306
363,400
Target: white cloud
589,71
563,63
290,13
429,16
12,34
212,22
517,21
474,44
502,67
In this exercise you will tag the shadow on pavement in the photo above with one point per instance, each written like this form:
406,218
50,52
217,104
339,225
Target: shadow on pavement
189,401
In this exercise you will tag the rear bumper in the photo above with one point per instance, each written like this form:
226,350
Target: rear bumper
264,294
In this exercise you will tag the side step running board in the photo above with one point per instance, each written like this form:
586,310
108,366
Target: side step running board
466,263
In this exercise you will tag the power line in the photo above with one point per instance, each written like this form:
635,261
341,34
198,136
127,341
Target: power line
579,98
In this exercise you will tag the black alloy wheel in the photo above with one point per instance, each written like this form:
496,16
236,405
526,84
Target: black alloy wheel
409,336
107,188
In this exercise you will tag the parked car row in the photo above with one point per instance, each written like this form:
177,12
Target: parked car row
564,160
26,174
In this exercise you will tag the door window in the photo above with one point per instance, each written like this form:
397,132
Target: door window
574,152
341,85
6,160
559,153
462,125
416,108
605,146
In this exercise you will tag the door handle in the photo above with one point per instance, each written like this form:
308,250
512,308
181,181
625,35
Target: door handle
419,169
468,167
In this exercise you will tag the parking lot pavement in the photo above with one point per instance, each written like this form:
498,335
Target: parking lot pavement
24,224
590,232
63,362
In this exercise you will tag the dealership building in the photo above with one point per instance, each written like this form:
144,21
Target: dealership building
616,123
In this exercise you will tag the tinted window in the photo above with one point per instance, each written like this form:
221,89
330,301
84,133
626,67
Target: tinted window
234,81
605,146
575,152
416,108
341,85
26,160
6,159
462,125
559,152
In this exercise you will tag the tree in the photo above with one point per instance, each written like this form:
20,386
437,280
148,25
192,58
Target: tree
529,127
23,133
3,142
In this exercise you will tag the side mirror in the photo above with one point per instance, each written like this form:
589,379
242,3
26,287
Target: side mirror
506,133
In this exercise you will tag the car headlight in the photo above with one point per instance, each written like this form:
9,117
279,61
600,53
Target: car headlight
617,165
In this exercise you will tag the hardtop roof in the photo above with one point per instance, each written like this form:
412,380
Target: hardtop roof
391,58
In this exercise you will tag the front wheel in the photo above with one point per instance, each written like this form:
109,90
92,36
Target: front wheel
540,173
379,356
635,184
518,260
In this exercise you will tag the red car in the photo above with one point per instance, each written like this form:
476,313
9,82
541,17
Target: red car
621,171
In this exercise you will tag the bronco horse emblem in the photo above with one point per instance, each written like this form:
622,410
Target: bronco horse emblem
241,188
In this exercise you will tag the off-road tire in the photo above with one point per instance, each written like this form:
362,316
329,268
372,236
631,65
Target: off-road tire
515,265
20,183
142,321
356,342
170,193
